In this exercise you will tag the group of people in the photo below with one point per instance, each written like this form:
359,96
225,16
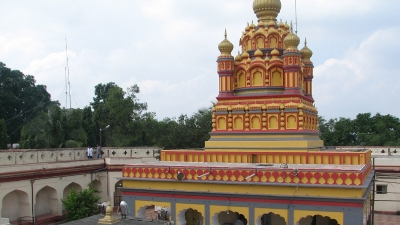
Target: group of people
90,152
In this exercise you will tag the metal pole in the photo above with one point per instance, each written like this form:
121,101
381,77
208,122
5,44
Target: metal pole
33,216
373,193
100,137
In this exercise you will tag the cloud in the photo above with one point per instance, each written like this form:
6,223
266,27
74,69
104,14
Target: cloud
363,80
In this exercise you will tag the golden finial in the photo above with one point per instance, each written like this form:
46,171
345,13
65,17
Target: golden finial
305,41
291,27
225,34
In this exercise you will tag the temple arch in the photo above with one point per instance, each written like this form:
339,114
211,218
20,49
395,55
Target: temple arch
291,122
257,78
46,201
15,204
68,189
221,123
190,216
241,79
272,122
270,219
276,77
255,122
238,123
316,220
225,217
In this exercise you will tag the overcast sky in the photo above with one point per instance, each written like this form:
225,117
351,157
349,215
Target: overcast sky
169,48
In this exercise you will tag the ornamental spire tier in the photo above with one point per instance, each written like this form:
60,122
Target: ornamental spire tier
265,98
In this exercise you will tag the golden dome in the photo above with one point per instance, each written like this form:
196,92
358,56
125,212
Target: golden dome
247,29
305,51
225,47
261,24
238,57
275,52
271,23
281,24
267,9
245,55
258,53
287,27
252,26
291,40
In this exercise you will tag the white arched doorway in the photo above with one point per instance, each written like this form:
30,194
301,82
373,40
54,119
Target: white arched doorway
15,205
71,186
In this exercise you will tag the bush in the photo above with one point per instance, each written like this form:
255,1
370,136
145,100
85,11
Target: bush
81,204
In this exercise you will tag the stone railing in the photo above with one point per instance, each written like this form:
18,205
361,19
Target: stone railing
26,156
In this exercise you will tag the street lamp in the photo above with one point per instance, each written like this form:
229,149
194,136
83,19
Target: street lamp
102,130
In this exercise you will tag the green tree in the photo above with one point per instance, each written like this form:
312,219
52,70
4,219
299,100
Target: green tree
55,128
20,99
90,127
81,204
3,135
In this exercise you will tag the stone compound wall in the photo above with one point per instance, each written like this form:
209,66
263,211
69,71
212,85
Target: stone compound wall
28,156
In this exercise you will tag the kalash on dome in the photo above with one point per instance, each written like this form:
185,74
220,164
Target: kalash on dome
264,163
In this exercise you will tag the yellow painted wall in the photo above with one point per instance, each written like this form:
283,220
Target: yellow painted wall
298,214
245,189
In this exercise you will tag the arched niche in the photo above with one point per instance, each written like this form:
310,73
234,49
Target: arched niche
147,211
46,201
117,193
272,122
273,41
97,185
276,77
316,220
260,41
221,125
15,204
257,78
270,219
225,217
241,78
71,186
238,123
190,216
255,122
291,122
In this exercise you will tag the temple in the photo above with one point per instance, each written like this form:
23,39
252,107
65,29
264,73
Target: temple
264,159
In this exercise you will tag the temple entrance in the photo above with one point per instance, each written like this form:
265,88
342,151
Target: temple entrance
271,219
190,217
228,218
117,193
317,220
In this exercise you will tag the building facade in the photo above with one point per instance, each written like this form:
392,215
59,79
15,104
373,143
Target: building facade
264,159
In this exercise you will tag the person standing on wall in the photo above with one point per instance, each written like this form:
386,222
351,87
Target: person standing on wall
89,152
99,151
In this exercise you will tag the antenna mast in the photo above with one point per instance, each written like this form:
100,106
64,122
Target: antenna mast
295,13
67,83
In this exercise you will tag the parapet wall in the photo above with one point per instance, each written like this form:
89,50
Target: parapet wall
27,156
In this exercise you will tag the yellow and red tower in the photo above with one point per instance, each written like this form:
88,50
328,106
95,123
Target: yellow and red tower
265,94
